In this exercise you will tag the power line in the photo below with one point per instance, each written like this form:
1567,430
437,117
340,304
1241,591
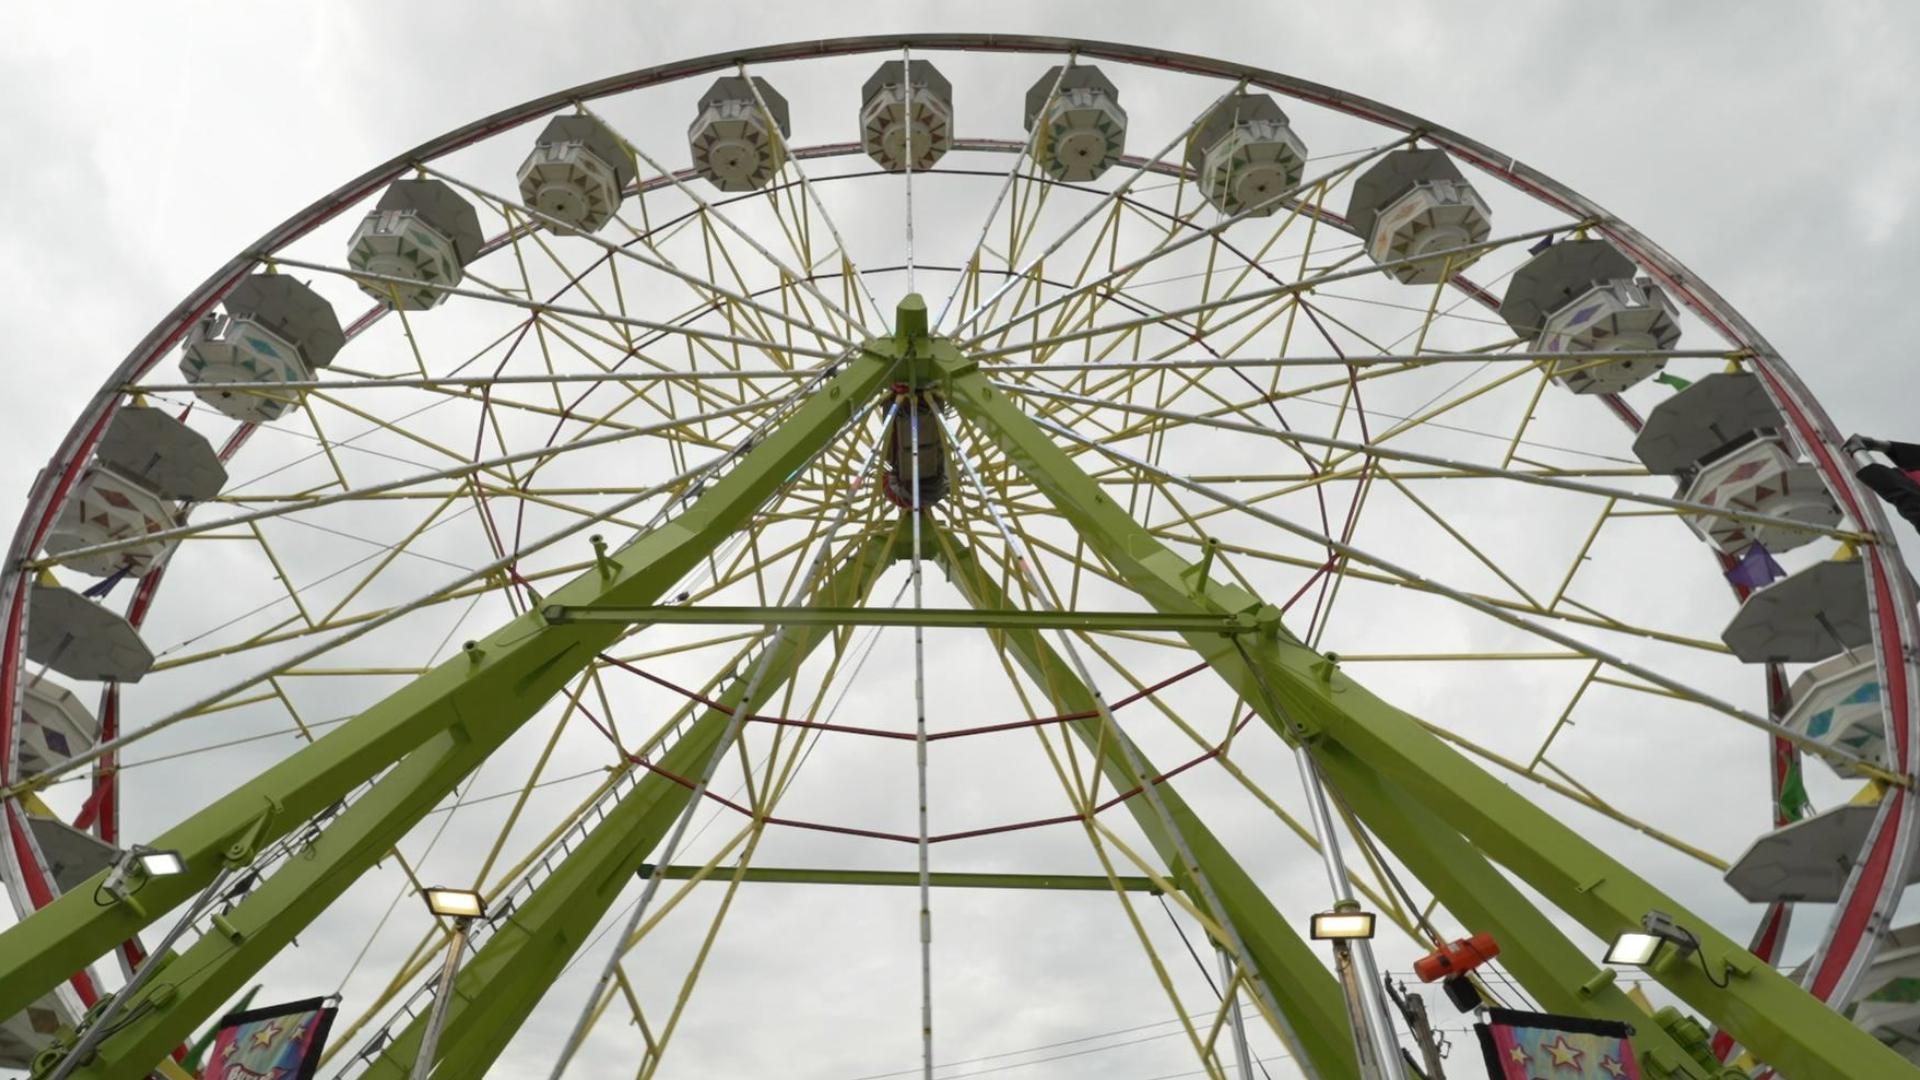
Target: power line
1045,1046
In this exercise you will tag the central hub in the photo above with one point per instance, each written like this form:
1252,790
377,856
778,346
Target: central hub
916,460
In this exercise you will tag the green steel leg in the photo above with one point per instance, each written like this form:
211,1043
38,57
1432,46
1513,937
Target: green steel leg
1561,977
1765,1010
456,715
1301,984
506,978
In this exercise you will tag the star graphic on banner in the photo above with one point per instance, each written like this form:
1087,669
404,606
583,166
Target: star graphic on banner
1519,1056
1612,1068
267,1034
1565,1054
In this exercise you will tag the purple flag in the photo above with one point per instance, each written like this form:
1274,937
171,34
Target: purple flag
1756,569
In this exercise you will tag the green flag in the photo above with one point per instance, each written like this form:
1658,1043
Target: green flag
1794,804
1674,381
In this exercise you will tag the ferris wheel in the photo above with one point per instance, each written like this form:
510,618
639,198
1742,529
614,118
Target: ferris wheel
727,523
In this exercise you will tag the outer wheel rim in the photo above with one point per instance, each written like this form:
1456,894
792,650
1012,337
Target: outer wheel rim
1847,947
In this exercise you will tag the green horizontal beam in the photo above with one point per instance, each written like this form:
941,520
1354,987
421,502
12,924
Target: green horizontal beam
932,618
780,875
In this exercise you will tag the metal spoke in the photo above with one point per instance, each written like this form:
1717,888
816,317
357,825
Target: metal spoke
1106,201
734,724
1228,937
1169,246
806,187
1468,468
701,284
457,472
1689,693
1284,289
800,278
538,307
993,211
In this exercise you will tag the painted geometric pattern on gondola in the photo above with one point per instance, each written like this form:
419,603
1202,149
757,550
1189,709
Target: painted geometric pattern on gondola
1541,1046
278,1042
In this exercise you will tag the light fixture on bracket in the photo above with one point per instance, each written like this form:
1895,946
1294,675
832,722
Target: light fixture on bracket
1342,925
137,865
1638,948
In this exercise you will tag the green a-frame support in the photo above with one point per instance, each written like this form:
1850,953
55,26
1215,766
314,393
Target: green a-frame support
1448,820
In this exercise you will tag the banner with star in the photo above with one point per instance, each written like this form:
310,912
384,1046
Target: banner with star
279,1042
1541,1046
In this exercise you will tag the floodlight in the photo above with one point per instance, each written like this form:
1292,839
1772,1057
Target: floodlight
160,863
1637,948
1342,925
1633,949
455,903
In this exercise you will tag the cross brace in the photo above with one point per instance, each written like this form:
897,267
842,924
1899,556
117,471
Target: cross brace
932,618
947,879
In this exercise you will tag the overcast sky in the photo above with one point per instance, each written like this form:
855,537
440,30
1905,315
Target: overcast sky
1768,146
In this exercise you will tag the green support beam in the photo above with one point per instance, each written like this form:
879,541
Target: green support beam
1555,971
939,879
443,725
1303,696
1301,984
500,985
931,618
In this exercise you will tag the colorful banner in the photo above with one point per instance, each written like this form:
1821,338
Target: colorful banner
1540,1046
279,1042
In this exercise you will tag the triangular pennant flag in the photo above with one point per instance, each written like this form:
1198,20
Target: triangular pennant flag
1674,381
1794,804
1756,569
99,589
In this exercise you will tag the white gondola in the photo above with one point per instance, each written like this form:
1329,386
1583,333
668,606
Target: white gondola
275,330
30,1031
1582,296
1761,476
1244,154
887,116
1887,1003
577,172
1806,616
422,233
1693,425
1412,202
54,727
1839,703
81,639
737,145
145,462
1807,861
1083,129
71,854
1723,438
107,507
